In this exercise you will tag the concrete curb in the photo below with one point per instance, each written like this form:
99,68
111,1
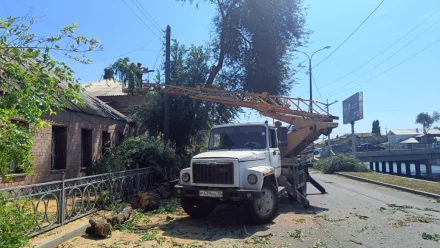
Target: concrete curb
414,191
63,238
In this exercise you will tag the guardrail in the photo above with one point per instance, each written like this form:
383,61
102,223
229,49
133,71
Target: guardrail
59,202
402,147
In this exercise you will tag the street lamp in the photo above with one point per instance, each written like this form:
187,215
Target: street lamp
310,72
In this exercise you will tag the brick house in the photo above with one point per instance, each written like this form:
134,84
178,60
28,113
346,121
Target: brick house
74,138
111,92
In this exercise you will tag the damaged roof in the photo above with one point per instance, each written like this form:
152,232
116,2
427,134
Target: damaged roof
105,87
92,105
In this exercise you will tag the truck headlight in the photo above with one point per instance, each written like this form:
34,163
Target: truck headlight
252,179
186,177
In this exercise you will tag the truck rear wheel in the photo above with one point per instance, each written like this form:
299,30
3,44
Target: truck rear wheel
264,209
196,207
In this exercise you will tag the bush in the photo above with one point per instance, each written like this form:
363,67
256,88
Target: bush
144,152
340,162
17,220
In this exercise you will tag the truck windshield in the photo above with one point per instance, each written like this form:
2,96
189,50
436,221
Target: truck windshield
238,137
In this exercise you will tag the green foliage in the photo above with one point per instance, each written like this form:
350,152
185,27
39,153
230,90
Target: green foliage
260,240
340,162
128,73
426,120
252,42
17,220
434,237
318,244
33,84
167,208
297,234
151,235
376,128
144,152
188,117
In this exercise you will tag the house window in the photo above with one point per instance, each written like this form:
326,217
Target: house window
273,138
59,148
106,141
86,148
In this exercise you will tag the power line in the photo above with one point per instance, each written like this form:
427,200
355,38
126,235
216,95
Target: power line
368,17
143,13
140,19
381,52
154,21
380,74
316,87
392,55
158,55
130,52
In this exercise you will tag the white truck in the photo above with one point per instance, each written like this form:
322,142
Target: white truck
243,163
247,163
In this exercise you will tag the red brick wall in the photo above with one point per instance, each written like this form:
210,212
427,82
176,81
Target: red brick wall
122,103
74,121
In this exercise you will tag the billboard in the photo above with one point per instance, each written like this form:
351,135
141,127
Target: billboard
353,108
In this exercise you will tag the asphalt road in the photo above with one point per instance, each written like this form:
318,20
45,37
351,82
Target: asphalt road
374,216
351,214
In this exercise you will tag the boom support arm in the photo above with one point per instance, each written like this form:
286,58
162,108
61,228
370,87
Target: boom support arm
309,125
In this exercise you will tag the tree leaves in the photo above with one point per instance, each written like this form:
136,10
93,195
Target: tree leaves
189,67
253,39
426,120
33,84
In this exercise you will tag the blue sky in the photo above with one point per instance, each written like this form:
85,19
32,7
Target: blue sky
394,97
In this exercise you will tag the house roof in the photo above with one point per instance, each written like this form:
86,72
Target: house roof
105,88
92,105
409,141
414,132
363,135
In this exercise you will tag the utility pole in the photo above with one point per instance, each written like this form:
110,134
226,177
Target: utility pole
386,135
310,82
327,105
166,126
310,73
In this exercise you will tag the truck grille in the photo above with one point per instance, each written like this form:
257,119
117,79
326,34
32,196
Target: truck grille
215,173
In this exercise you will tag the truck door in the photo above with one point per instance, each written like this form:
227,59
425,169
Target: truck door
274,152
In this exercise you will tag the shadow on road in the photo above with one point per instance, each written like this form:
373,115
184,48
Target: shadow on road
229,222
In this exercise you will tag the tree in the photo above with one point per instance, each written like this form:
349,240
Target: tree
252,42
128,73
189,67
376,128
33,84
426,120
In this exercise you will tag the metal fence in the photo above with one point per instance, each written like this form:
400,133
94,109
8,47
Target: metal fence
400,147
393,147
59,202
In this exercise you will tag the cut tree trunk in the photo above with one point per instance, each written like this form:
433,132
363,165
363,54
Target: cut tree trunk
99,227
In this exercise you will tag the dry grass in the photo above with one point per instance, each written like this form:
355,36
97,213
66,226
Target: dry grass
431,187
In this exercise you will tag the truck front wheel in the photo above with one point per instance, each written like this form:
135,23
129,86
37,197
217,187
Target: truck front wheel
264,209
196,207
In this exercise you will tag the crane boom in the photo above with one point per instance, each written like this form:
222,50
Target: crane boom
309,125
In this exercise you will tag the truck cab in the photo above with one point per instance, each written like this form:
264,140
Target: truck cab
242,164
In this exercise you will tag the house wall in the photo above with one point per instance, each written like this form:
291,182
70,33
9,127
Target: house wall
74,121
122,103
395,139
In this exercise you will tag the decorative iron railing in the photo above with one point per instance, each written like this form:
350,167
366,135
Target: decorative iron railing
59,202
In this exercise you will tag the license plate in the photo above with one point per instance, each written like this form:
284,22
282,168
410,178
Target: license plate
210,193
